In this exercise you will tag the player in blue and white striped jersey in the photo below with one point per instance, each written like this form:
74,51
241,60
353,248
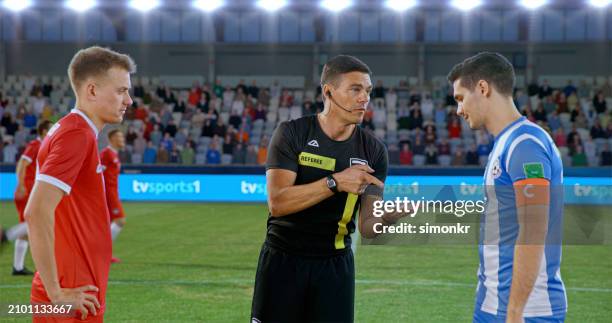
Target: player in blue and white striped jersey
519,276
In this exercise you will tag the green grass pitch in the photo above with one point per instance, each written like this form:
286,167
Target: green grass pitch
196,262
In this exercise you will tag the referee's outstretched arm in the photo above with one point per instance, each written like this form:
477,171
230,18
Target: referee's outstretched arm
286,198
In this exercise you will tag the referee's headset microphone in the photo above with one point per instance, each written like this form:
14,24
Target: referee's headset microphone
329,95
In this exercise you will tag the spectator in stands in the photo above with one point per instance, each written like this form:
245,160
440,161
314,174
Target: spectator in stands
458,157
138,90
415,120
228,144
10,150
550,105
195,94
8,123
239,154
203,104
427,107
561,101
539,114
180,107
286,99
405,154
228,98
579,158
431,155
241,87
367,122
599,103
597,131
213,156
141,112
391,99
609,129
572,101
235,120
444,147
310,109
590,151
212,115
606,89
140,144
578,118
239,102
156,135
253,90
150,154
251,155
242,135
167,142
187,154
584,90
208,129
130,136
171,128
30,119
220,129
264,97
533,88
553,121
430,134
569,89
418,148
197,121
181,137
440,115
275,89
521,99
545,90
260,113
471,157
605,157
262,152
218,88
560,138
21,136
454,129
403,91
175,156
38,103
483,148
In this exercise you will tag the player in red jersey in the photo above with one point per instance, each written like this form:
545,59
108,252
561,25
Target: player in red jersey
26,172
67,215
112,166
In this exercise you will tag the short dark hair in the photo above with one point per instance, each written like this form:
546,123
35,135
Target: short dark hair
491,67
43,126
113,132
342,64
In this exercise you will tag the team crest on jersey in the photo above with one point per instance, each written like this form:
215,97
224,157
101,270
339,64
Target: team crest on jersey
358,161
100,168
496,168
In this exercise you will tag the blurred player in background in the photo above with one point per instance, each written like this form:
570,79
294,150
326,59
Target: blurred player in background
519,277
316,169
26,173
67,214
112,166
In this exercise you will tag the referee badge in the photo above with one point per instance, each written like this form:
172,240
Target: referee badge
358,161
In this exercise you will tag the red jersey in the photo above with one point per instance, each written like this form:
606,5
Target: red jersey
68,159
30,154
112,166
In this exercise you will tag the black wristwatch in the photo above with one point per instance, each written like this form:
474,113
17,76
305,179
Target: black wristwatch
331,184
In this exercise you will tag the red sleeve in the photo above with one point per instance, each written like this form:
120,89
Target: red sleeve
67,153
30,152
105,159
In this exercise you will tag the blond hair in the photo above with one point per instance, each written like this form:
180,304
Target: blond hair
96,61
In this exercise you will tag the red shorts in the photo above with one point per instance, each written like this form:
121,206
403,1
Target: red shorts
20,204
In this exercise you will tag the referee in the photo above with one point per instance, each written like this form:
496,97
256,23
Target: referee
316,169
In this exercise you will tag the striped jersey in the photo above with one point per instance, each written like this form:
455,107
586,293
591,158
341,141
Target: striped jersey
522,150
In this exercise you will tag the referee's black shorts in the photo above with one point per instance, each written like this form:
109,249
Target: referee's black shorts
291,288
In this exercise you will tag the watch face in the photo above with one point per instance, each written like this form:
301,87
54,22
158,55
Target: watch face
331,183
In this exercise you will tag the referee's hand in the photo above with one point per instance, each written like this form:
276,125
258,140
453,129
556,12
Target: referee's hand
355,179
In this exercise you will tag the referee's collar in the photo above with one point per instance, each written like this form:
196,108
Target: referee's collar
84,116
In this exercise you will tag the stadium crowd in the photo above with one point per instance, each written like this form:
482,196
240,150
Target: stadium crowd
218,124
